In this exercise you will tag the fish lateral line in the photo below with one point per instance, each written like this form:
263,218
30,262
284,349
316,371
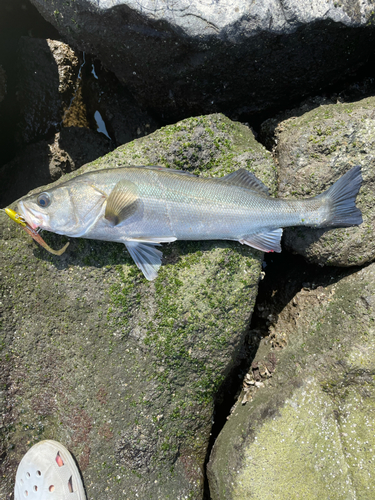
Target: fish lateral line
16,217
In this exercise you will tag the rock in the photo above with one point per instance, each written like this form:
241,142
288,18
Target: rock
17,18
3,86
124,119
231,56
314,149
60,88
308,430
121,370
46,161
48,81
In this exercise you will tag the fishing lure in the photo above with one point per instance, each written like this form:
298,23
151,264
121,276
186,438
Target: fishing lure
16,217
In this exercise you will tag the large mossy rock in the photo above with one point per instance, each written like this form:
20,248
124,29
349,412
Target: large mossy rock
315,148
309,429
121,370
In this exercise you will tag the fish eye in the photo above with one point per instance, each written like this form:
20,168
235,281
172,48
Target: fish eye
43,200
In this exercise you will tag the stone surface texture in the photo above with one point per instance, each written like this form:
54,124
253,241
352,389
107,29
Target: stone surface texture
48,81
308,430
192,57
312,150
124,371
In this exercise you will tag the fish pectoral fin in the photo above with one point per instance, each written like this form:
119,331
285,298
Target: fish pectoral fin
245,179
265,241
122,202
146,256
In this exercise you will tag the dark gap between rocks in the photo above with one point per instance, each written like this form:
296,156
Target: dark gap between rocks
17,18
354,88
285,275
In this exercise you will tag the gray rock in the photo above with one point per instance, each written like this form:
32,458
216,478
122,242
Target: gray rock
307,429
121,370
48,81
314,149
190,57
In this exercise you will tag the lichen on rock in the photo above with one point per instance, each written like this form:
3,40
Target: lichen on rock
121,370
309,431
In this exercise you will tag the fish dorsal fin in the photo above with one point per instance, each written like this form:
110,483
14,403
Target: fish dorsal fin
245,179
122,202
268,241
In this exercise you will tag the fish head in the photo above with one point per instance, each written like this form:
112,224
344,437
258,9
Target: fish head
69,208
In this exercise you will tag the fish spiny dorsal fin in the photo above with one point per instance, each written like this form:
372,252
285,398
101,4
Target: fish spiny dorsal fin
243,178
122,202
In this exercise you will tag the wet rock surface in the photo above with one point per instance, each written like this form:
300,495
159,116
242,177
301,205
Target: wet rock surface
315,148
238,57
121,370
308,427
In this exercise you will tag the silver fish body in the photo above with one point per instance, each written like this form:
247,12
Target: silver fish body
145,206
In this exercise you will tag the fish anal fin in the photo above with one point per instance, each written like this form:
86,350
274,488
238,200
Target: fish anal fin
245,179
268,241
146,256
122,202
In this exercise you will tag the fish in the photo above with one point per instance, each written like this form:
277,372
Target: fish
144,207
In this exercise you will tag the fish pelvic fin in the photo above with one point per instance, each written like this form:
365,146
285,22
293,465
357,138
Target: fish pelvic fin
341,197
146,256
268,241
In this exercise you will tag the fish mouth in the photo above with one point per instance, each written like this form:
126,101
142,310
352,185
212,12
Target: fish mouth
33,217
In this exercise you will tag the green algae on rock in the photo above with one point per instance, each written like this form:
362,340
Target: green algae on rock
309,431
313,150
123,371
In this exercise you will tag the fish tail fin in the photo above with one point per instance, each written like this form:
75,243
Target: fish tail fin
341,198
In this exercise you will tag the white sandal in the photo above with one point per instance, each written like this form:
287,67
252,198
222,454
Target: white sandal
48,472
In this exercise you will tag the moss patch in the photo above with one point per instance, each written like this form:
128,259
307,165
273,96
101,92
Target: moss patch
123,371
309,432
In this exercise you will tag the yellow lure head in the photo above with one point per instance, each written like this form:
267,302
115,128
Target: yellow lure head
15,216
